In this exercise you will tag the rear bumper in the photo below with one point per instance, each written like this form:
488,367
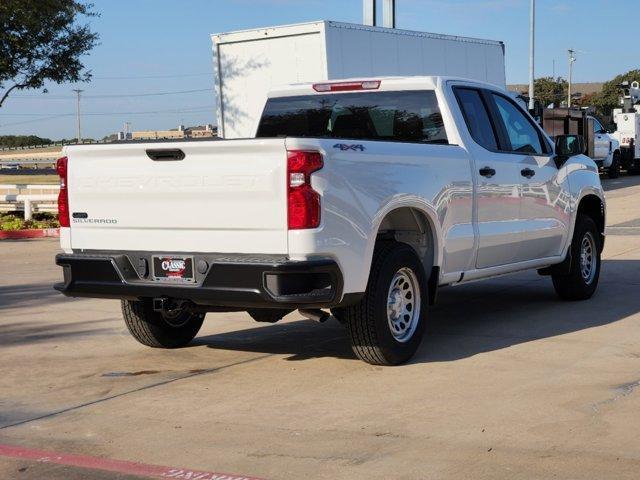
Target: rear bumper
238,281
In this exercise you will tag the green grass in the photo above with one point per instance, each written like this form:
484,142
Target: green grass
13,221
28,179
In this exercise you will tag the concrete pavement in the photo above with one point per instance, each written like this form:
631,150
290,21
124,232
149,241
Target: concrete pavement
510,383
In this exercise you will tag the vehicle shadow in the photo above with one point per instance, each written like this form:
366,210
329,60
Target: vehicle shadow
20,333
34,294
299,340
467,320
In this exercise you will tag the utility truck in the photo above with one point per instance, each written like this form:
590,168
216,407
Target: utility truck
250,63
602,146
358,198
627,120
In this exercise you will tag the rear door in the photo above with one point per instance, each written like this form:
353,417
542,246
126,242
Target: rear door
207,196
497,180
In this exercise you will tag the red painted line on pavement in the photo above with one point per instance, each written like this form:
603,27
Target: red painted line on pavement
118,466
33,233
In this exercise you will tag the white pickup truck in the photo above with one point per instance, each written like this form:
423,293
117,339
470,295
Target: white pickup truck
361,197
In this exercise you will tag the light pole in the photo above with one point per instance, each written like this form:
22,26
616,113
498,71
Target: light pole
78,92
572,59
532,55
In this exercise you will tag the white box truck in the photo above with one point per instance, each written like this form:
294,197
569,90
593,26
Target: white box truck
249,63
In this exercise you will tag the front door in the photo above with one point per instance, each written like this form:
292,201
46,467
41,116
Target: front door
544,210
600,140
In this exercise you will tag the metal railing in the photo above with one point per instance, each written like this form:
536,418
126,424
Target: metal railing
48,145
28,198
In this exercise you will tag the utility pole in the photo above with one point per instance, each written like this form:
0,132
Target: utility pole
532,46
572,59
78,92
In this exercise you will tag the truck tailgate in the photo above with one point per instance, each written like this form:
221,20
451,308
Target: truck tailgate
223,196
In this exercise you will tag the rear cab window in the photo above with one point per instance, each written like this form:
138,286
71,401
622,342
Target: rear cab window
400,116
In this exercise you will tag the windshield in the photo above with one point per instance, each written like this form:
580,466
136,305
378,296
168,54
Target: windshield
408,116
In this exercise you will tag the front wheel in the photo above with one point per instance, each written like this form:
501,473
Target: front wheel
167,329
614,169
582,280
387,325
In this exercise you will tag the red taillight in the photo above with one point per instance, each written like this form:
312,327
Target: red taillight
63,196
303,202
347,86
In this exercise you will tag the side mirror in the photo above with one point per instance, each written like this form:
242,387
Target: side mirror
568,146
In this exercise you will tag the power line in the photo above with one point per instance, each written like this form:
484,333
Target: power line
154,94
153,112
169,110
50,117
185,75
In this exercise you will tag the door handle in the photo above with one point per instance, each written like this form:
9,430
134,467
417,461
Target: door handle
527,172
487,172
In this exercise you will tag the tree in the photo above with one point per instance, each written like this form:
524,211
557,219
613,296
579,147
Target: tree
549,90
22,140
609,98
41,40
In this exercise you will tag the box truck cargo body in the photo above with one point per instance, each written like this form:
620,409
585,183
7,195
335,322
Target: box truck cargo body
249,63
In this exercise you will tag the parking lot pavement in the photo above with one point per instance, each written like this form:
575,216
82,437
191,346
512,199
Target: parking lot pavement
510,383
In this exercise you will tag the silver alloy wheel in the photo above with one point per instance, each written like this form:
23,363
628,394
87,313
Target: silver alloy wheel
403,305
588,258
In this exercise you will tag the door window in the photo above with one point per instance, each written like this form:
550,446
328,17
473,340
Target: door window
523,136
597,127
476,117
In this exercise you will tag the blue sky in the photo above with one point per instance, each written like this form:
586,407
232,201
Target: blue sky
168,40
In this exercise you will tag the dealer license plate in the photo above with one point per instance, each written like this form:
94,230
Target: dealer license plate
170,268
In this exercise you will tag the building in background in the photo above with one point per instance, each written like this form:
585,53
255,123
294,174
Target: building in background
182,132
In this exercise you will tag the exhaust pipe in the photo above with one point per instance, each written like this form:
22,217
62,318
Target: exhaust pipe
316,315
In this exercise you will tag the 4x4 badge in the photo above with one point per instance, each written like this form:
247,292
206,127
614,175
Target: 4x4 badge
349,146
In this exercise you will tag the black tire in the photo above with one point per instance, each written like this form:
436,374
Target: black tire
577,285
153,329
614,169
369,327
268,315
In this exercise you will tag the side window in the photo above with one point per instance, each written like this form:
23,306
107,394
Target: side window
597,127
524,137
476,117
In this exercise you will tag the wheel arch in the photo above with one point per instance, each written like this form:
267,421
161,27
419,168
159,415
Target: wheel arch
593,205
413,222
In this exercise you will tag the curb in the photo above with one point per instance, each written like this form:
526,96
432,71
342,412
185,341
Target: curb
25,234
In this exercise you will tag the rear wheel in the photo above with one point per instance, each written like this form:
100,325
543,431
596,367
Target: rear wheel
582,280
387,325
172,328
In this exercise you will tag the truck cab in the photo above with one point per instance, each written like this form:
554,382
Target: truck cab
606,148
